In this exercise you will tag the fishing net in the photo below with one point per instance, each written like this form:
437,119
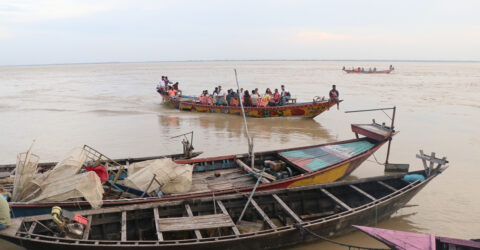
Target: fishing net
160,173
24,173
85,185
70,166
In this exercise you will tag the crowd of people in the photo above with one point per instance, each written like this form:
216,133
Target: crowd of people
253,98
167,87
361,69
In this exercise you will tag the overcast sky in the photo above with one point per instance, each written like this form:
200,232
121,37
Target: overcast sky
69,31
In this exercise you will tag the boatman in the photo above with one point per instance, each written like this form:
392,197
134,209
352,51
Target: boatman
4,212
334,95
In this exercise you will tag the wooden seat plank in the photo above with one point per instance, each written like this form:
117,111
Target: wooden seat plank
287,209
337,200
195,222
363,192
387,186
86,233
224,211
190,214
159,233
124,226
263,214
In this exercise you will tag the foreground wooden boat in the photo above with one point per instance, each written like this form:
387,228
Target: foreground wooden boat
406,240
229,174
307,109
271,219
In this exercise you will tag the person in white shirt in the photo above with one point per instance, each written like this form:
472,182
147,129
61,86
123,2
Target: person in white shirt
254,98
285,95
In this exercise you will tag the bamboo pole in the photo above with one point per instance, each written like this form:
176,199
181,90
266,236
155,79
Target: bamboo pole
250,140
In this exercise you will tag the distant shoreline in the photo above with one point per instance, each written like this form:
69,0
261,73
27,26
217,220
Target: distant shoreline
250,60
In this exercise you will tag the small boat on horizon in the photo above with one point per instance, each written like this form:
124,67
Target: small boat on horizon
410,241
361,70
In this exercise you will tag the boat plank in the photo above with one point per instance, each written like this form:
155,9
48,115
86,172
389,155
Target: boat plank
250,170
195,222
190,214
32,227
337,200
263,214
387,186
287,209
224,211
86,233
124,226
159,233
363,192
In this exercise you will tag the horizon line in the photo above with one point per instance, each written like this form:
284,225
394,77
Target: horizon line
250,60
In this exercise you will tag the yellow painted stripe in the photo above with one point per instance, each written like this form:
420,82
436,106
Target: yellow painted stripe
324,177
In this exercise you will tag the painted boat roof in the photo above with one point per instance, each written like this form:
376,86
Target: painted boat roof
315,158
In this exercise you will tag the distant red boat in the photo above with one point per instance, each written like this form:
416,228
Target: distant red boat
369,71
407,240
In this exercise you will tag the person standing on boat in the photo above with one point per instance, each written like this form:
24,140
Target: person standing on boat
215,95
334,95
4,212
285,95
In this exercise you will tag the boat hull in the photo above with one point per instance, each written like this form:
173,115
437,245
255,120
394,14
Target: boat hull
310,110
287,236
325,175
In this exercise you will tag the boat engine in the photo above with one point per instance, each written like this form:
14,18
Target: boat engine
68,223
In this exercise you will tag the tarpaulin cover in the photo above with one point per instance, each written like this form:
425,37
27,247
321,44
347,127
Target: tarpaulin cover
171,177
320,157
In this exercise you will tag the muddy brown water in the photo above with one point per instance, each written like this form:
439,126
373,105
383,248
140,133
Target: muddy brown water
115,109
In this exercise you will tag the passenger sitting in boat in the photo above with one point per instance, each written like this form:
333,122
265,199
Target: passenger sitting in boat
254,98
267,96
215,94
229,96
172,92
247,101
285,95
276,98
175,87
4,211
334,95
221,96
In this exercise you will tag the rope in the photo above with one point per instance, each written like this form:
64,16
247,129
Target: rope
304,230
376,161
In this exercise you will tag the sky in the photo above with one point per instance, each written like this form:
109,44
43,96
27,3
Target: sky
94,31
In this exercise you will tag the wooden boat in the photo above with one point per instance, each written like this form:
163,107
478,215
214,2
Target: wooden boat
359,71
407,240
6,169
229,174
268,219
307,109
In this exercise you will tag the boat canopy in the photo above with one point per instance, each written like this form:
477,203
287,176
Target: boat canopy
312,159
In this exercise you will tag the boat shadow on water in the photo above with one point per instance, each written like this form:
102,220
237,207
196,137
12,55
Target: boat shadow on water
233,126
